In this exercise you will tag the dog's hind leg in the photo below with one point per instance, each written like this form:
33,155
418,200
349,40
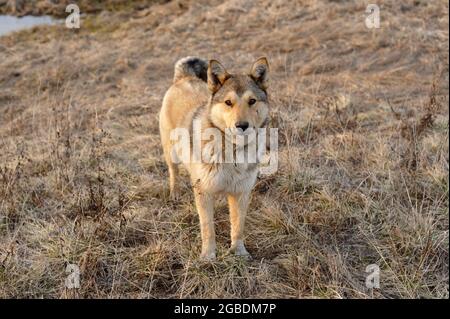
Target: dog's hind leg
172,166
173,178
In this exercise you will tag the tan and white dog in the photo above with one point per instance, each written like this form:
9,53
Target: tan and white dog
235,103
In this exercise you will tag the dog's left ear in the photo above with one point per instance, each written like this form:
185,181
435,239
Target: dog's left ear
260,72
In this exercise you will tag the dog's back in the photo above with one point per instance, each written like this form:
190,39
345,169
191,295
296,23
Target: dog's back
188,92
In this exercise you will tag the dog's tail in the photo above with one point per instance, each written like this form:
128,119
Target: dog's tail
191,67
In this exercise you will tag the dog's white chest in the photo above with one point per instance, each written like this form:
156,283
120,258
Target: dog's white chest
227,177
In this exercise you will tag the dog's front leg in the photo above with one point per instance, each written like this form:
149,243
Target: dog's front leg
238,210
205,208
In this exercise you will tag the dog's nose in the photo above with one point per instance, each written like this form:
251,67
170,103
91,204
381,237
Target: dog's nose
242,125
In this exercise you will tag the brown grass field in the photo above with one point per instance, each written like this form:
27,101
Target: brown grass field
363,145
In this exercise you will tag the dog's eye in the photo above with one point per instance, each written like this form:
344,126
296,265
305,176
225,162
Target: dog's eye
251,101
228,102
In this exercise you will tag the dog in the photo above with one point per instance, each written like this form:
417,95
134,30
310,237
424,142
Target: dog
231,104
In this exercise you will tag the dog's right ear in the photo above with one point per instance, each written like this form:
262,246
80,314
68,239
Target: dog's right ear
259,72
217,75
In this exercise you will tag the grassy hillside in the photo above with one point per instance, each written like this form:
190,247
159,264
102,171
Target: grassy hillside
364,159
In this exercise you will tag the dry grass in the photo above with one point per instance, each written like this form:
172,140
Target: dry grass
363,174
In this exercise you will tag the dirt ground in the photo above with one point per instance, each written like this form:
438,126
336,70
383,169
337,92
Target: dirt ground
363,145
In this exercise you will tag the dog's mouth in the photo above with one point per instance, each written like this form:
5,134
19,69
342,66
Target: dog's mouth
240,132
240,137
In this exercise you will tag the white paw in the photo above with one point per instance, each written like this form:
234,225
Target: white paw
241,251
208,256
175,195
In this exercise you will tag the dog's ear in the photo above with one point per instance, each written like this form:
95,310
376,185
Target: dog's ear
260,73
217,75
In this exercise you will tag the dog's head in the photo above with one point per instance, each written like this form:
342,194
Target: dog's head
239,102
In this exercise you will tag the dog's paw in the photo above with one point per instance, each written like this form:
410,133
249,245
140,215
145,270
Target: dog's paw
175,195
208,256
241,251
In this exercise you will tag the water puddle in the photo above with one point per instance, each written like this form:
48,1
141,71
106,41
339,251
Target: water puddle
11,23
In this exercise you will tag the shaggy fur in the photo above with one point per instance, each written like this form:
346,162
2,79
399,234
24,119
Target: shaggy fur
223,101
